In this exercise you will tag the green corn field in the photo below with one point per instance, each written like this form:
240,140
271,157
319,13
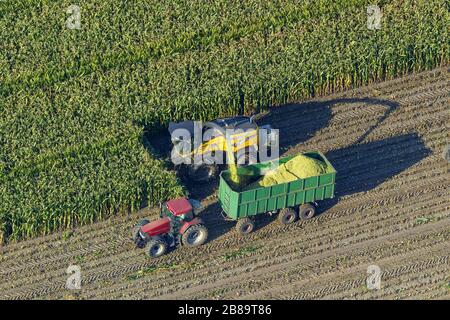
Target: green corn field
78,105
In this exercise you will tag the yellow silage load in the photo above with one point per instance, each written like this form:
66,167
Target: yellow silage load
299,167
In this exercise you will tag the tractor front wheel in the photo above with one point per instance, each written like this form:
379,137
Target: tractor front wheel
195,236
156,248
287,216
245,226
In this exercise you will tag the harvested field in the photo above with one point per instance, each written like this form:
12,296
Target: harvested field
391,210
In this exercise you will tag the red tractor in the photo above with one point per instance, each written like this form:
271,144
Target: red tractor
178,224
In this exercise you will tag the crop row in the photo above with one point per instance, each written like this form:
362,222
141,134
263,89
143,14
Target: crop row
131,32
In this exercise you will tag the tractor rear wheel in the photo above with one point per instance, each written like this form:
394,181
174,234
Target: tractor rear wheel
156,248
307,211
195,236
245,226
136,228
287,216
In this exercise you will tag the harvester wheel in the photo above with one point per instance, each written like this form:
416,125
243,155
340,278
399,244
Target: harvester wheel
156,248
287,216
307,211
195,236
136,229
245,226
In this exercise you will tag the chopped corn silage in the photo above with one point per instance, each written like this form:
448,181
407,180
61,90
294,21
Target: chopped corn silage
299,167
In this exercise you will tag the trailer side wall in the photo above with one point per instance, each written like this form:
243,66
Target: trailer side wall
238,205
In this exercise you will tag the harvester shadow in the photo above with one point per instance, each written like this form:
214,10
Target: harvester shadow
309,117
363,167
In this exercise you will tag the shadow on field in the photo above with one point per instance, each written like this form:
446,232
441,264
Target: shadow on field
362,167
305,119
212,217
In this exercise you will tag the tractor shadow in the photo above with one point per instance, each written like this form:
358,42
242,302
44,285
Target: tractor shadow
363,167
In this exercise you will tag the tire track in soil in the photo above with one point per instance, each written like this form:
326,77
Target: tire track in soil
410,285
251,283
328,291
204,271
357,262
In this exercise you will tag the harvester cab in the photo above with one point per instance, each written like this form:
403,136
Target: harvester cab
178,224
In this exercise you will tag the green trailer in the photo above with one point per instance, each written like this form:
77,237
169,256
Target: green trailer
292,200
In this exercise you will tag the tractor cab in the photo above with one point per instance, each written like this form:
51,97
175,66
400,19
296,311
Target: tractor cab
180,209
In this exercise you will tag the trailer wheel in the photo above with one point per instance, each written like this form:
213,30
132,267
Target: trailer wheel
287,216
156,248
195,236
245,226
135,232
307,211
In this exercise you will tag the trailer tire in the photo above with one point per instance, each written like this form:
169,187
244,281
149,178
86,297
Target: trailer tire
195,236
245,226
306,211
287,216
156,248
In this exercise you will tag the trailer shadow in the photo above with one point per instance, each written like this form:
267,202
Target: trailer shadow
363,167
211,217
360,167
